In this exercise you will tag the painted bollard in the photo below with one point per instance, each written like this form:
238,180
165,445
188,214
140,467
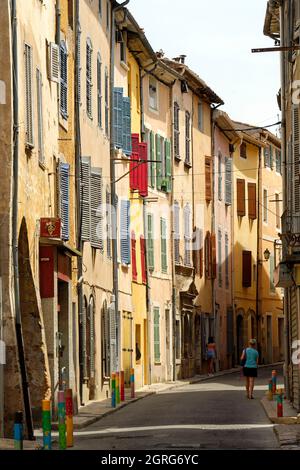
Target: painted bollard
62,420
69,417
274,381
117,388
132,383
46,424
18,431
122,385
113,390
279,404
270,393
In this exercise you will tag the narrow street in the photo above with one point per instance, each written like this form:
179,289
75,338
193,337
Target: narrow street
214,414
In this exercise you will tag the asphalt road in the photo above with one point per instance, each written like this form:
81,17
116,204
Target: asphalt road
214,414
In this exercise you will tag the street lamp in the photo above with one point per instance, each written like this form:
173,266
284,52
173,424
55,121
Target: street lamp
267,254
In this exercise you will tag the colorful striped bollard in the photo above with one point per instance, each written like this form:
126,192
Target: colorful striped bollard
270,393
69,417
46,423
62,420
279,404
117,388
132,383
122,387
274,381
18,431
113,390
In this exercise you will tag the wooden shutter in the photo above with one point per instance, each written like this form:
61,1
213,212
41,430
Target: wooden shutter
208,179
168,165
150,242
228,181
163,243
252,200
143,259
53,62
247,269
158,161
96,209
89,77
108,223
213,256
133,256
243,150
28,96
126,139
143,169
106,87
117,116
39,89
156,335
296,159
85,198
176,131
187,138
78,64
134,168
176,233
226,261
99,90
207,255
64,174
240,190
63,80
220,177
124,232
266,157
201,254
152,157
220,258
187,235
271,157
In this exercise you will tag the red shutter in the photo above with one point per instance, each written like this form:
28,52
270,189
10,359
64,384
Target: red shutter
134,169
133,256
143,170
143,260
247,268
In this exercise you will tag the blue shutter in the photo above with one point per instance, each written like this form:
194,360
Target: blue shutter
63,80
126,126
118,117
125,232
64,174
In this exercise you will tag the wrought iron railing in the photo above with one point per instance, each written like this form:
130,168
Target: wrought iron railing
290,223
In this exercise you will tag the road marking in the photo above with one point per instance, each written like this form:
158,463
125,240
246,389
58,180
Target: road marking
196,427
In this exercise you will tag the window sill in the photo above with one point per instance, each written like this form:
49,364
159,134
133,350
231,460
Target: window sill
177,158
187,165
42,165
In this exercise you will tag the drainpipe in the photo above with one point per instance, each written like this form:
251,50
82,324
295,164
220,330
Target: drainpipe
19,334
258,260
112,156
172,238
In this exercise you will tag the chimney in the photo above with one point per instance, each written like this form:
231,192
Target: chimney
182,58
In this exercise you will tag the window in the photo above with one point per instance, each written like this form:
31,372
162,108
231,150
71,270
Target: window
64,193
163,164
63,80
200,116
208,182
243,150
187,235
187,138
156,335
99,90
176,131
158,161
220,257
106,104
123,55
267,157
163,245
89,80
96,209
271,157
277,209
252,200
220,176
272,285
176,232
153,100
28,96
226,261
247,269
39,88
126,123
278,160
228,181
150,242
125,231
265,209
241,203
78,66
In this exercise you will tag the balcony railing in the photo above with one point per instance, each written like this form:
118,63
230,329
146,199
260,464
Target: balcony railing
290,223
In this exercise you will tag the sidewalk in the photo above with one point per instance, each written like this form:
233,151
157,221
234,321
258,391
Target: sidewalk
8,444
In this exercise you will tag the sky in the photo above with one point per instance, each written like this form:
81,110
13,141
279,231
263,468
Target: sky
217,37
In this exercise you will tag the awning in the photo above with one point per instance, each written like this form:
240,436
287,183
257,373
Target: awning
60,244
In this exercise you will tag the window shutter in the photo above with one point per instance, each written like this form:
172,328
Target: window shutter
266,157
176,131
28,96
213,256
89,77
85,198
271,157
187,138
99,90
96,209
247,269
220,177
168,165
64,175
118,117
150,243
208,185
143,259
53,62
158,161
152,157
228,181
163,244
156,335
226,261
187,236
201,249
220,257
106,87
133,256
143,170
39,87
207,247
63,80
176,233
278,160
124,232
296,160
243,150
134,168
78,65
240,189
252,200
126,138
108,223
112,338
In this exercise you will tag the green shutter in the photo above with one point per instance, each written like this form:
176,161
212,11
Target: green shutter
152,158
271,157
150,242
168,165
158,162
156,335
163,245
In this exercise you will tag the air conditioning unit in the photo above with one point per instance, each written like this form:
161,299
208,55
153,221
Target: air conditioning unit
53,62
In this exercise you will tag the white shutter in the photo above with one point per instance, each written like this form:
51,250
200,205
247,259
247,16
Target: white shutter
28,96
39,86
228,181
85,198
296,160
53,68
96,209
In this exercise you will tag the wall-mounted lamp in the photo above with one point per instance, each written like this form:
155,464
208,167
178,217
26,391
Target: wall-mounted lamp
267,254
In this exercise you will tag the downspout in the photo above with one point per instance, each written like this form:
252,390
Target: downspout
112,155
258,259
19,334
172,236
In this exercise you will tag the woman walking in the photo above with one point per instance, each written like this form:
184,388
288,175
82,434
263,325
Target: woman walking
249,358
211,354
